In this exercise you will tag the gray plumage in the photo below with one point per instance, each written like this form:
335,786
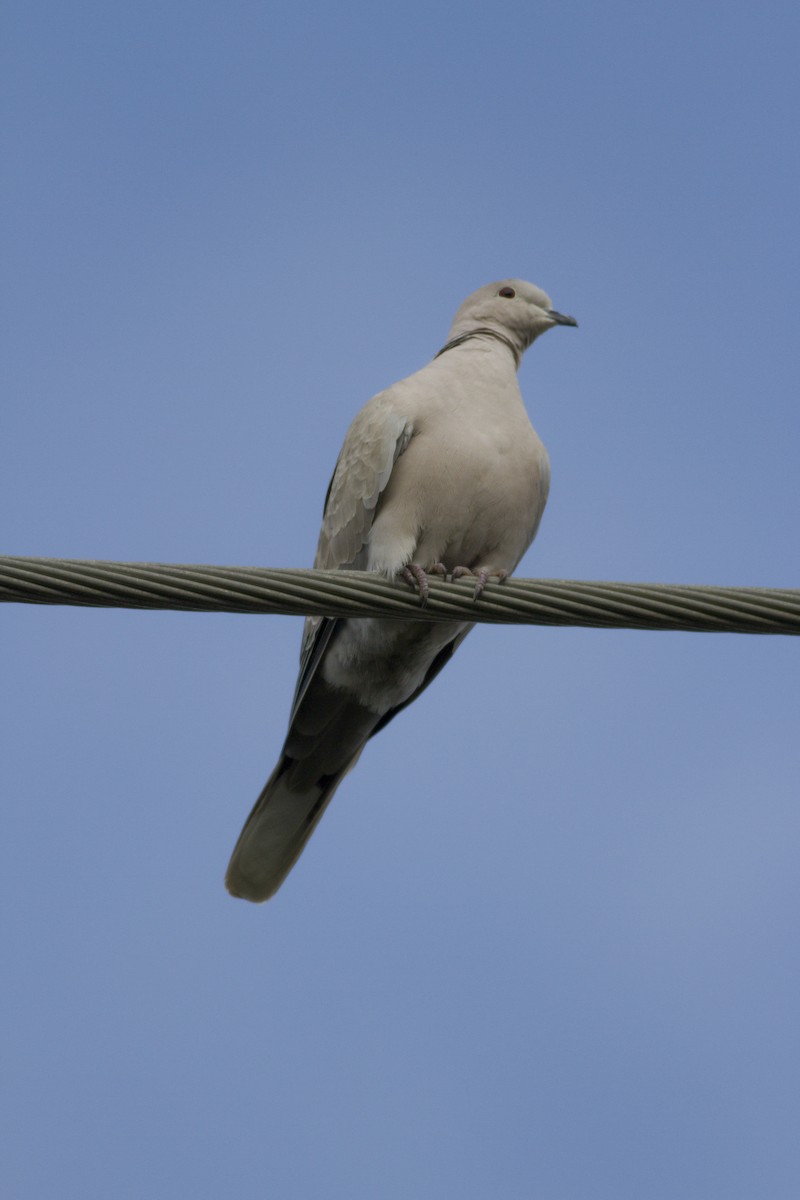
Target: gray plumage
443,467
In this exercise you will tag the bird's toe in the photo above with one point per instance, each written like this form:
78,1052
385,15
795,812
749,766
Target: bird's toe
482,576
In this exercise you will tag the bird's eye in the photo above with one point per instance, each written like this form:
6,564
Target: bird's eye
509,293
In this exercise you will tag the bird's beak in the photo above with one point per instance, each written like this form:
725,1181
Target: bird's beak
560,319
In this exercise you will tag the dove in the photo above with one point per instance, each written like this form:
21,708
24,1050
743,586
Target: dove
441,473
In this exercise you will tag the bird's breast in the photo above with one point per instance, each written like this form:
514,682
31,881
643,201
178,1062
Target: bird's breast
471,497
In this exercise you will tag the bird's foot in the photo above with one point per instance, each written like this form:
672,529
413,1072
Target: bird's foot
417,578
482,576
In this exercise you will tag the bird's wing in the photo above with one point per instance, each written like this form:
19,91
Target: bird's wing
374,442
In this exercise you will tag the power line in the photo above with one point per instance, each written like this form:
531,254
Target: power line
362,594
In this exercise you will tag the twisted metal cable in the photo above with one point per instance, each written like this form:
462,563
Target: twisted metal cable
360,594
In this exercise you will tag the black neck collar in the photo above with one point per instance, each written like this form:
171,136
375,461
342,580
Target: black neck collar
465,337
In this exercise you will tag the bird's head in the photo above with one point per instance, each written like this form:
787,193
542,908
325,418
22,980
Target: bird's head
519,310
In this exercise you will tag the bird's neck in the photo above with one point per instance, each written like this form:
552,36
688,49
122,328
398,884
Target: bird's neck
482,332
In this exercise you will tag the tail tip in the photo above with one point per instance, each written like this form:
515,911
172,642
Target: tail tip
242,887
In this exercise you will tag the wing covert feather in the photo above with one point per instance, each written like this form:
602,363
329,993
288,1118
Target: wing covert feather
374,442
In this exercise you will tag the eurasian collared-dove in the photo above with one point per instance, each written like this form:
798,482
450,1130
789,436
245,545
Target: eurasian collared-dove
441,472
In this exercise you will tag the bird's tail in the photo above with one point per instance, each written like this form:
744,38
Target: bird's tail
275,833
327,732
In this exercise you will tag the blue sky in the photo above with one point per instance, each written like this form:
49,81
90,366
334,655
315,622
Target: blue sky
545,941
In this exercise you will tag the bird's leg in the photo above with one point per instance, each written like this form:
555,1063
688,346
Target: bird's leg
483,576
438,568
